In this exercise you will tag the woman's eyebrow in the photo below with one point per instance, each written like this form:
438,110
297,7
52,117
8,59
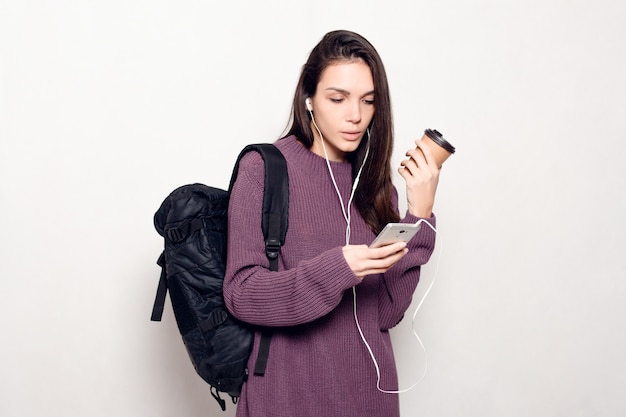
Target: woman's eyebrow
346,92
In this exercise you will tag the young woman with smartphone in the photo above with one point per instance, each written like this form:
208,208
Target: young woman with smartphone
334,298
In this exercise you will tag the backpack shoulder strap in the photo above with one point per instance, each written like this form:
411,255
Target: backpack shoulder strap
159,300
275,199
275,220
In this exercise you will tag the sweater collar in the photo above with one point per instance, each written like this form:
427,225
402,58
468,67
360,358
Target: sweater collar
313,161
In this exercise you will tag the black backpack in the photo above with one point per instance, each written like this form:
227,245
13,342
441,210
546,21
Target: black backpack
193,223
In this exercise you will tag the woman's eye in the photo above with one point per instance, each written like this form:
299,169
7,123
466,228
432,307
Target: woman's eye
336,100
370,102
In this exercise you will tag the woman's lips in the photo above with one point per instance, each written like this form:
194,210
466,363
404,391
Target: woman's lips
351,135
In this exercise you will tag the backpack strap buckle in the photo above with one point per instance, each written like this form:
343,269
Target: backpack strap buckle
179,233
272,248
176,235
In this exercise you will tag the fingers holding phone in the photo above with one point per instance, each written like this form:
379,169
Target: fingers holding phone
364,260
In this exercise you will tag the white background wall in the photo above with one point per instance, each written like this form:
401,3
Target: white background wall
106,106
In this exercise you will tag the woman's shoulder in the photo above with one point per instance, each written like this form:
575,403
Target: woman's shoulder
250,171
252,164
290,147
254,159
250,160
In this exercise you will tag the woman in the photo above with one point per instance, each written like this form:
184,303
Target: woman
338,152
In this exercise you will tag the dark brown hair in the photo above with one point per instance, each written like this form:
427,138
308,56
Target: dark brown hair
373,195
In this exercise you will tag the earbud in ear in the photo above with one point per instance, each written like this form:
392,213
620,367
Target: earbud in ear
308,105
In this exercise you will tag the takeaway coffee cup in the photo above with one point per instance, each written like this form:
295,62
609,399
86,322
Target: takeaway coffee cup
441,148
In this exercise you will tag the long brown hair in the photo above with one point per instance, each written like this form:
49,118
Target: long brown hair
373,195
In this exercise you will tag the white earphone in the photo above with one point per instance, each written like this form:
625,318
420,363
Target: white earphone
308,105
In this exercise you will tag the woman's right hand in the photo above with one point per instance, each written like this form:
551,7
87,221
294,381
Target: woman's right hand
364,260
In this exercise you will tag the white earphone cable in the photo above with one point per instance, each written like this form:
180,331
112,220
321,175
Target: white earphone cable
344,209
346,215
369,349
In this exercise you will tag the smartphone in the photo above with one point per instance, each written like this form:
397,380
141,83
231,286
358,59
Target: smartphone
395,232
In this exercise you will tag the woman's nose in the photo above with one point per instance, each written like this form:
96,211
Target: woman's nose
354,112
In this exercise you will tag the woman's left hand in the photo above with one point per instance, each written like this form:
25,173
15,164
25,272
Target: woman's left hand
421,174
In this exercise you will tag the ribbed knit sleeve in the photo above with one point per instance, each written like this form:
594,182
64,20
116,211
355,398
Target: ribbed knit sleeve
299,294
399,282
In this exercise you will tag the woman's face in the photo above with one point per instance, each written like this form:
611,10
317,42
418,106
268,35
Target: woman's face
343,107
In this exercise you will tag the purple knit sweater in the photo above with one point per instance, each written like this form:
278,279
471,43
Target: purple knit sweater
318,365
